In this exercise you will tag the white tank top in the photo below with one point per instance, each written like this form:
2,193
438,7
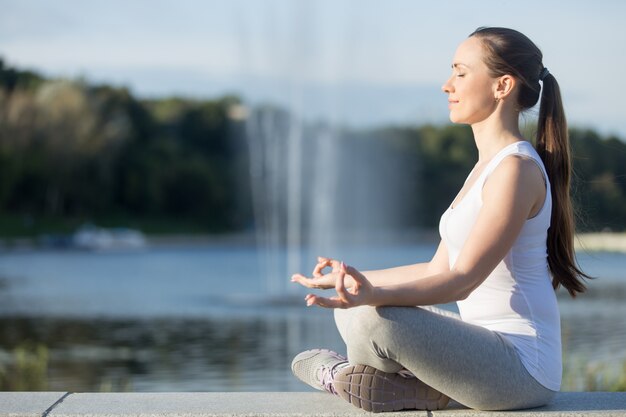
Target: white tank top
517,299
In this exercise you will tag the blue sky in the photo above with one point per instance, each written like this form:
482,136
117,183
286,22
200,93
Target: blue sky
360,62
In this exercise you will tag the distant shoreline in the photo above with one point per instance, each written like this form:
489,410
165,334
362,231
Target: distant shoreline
601,242
585,242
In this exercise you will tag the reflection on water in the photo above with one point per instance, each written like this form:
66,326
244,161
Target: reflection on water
199,320
240,354
171,354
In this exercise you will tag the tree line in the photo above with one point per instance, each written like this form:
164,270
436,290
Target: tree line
598,185
71,151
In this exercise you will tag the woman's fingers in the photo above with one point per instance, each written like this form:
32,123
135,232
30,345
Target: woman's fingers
354,273
359,278
362,291
322,282
300,279
323,262
346,296
305,281
308,299
340,285
332,302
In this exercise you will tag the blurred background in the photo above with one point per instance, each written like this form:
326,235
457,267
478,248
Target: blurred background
166,166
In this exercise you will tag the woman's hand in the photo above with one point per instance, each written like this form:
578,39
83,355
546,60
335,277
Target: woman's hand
360,293
321,280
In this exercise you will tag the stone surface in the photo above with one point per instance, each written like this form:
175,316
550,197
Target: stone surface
206,404
564,404
27,404
277,404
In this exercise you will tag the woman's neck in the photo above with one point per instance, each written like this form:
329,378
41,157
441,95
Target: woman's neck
494,133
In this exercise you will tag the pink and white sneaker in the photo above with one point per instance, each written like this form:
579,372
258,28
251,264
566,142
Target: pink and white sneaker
317,368
374,390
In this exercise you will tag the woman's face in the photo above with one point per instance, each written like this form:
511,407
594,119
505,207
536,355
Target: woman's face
470,89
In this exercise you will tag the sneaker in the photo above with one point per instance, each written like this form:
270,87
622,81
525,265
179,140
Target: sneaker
317,368
374,390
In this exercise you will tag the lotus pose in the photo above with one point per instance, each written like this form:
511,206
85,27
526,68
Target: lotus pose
506,245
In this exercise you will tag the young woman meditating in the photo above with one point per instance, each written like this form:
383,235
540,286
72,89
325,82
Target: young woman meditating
506,245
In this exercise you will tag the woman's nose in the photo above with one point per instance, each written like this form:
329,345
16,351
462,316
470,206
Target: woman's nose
447,86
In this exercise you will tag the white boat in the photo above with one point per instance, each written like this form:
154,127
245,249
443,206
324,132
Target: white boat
95,238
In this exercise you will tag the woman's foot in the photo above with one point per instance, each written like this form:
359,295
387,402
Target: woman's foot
317,368
374,390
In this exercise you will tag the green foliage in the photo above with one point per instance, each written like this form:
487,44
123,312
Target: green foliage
444,156
447,156
27,369
11,78
72,152
599,185
583,375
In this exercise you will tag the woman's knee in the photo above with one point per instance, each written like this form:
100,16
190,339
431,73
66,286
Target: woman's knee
364,332
359,325
381,322
362,321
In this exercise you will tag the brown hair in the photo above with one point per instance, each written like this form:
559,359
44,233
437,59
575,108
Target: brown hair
509,52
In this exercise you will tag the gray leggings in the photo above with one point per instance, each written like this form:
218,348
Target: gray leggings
472,365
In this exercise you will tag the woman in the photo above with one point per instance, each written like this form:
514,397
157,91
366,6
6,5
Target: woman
506,245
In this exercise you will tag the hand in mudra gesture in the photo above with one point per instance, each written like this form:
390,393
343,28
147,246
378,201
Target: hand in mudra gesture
352,287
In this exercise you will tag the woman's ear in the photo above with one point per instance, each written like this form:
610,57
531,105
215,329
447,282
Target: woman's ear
504,87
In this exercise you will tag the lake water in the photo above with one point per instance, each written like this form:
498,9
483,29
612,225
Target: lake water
221,318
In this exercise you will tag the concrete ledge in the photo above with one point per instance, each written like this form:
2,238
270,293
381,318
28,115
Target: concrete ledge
274,404
27,404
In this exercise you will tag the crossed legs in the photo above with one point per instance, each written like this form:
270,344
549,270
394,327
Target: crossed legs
472,365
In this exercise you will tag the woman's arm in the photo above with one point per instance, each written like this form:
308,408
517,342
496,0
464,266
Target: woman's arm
409,273
382,277
512,194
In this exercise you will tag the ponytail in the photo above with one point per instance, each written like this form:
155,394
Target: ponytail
553,147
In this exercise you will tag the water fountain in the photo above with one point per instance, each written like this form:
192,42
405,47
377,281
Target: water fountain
316,185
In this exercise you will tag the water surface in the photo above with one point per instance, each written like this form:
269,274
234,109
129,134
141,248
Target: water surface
210,318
